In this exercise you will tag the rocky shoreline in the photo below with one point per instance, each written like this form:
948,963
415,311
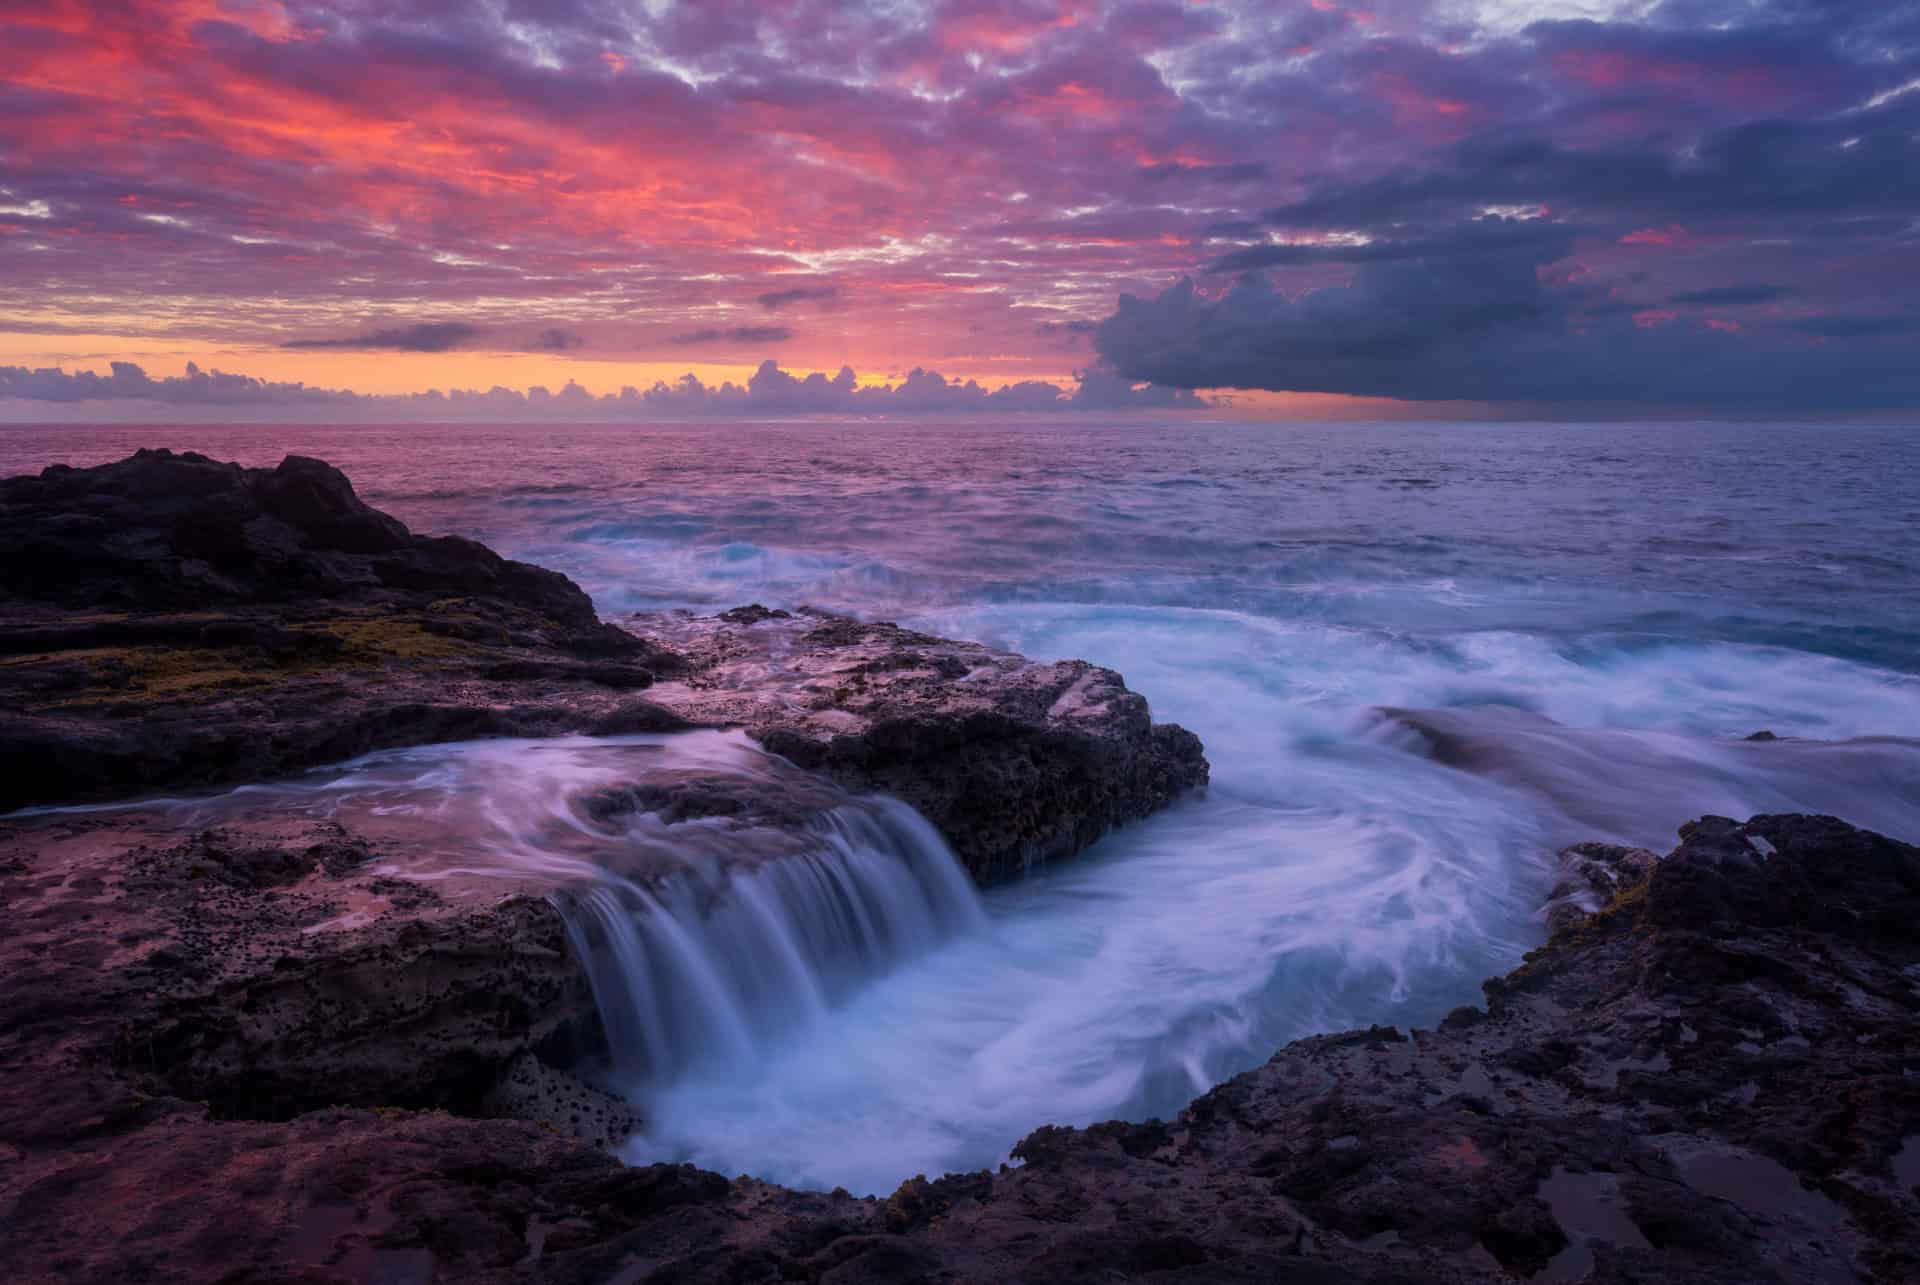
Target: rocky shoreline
271,1049
176,622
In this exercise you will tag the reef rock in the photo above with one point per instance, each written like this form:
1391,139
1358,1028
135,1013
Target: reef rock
265,968
1014,761
1710,1080
175,621
164,532
181,622
1591,875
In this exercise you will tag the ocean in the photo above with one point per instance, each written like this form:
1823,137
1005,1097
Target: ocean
1603,611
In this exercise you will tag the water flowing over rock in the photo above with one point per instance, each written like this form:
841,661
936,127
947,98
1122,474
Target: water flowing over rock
360,1023
411,928
315,628
702,967
1014,761
1707,1081
1610,781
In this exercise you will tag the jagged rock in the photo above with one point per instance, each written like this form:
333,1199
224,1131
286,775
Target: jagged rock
1591,875
210,625
1709,1081
529,1089
177,621
270,967
1014,761
160,531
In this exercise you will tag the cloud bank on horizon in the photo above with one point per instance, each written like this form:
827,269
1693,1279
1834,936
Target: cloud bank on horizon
1563,205
771,393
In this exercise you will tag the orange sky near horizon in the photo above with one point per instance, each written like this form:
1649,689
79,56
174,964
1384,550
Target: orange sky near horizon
406,373
1373,208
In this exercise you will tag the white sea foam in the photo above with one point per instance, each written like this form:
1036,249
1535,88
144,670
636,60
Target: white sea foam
1657,592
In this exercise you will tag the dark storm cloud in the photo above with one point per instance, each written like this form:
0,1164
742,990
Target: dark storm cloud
1859,328
1487,329
1529,258
733,335
427,336
1730,296
554,339
1865,163
774,300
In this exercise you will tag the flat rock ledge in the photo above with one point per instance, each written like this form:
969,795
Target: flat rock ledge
1715,1077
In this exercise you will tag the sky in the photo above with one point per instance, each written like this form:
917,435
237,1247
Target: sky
616,208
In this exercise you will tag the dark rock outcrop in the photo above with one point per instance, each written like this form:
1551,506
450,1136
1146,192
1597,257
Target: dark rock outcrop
175,621
181,622
1712,1079
1014,760
166,532
267,968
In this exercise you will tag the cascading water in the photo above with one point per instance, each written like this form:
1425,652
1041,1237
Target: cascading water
709,940
1658,591
709,967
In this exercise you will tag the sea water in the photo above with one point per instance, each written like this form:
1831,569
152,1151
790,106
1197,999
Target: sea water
1606,610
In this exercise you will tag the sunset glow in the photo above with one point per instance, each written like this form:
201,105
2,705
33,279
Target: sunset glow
391,199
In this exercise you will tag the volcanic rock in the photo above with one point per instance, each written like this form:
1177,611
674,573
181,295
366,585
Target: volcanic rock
181,622
1711,1080
177,621
1015,761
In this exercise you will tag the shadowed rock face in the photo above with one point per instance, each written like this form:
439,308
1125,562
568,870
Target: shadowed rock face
176,621
1710,1079
160,531
1014,761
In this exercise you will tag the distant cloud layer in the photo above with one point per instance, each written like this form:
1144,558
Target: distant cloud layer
1564,201
128,382
734,335
433,336
772,300
772,393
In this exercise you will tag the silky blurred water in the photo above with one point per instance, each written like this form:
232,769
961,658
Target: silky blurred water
1658,591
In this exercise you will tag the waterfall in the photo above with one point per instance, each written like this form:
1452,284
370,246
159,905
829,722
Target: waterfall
710,966
707,933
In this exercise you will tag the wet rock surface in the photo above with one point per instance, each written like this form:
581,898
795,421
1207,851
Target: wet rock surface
177,622
1711,1079
1014,761
292,1047
1591,875
174,621
266,968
